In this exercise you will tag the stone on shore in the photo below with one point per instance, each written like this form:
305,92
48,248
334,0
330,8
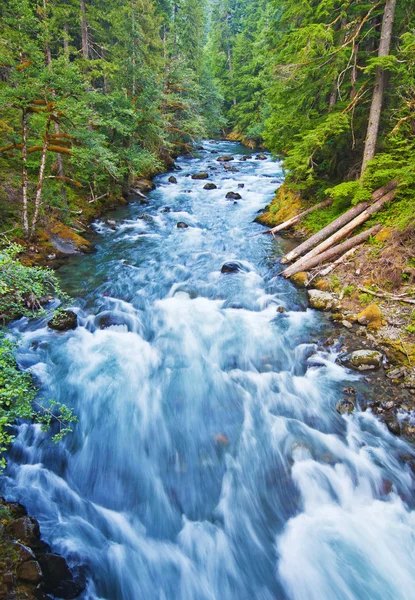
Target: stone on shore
322,300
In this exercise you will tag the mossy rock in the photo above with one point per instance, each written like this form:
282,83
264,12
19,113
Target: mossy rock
66,241
371,316
64,321
397,354
363,360
300,279
143,185
323,301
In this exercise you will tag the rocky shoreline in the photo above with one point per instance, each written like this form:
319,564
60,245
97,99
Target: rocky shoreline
28,568
370,342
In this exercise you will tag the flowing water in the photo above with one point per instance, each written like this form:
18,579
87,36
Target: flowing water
209,461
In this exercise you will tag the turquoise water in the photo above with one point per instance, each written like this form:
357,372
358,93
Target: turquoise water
209,461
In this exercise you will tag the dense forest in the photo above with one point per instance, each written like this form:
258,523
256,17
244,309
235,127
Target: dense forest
92,96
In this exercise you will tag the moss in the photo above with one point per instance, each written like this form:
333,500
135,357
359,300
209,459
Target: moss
371,316
399,353
300,279
284,206
322,285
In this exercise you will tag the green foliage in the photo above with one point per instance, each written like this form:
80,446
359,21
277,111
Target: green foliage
23,289
19,400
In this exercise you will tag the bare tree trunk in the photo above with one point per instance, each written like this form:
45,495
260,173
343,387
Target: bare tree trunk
339,235
378,92
351,243
84,30
336,224
24,173
297,218
41,179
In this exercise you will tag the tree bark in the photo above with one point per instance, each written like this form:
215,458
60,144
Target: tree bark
336,224
41,179
84,30
24,173
333,252
378,92
339,235
297,218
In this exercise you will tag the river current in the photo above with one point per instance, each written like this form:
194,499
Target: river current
209,462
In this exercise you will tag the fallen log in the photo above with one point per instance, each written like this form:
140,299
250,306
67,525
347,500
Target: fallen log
337,224
297,218
330,268
340,235
386,296
313,261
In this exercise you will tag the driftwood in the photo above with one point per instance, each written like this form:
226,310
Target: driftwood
339,235
350,244
294,220
337,224
387,296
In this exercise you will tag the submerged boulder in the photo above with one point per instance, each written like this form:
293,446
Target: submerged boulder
233,196
202,175
63,321
363,360
210,186
225,158
232,267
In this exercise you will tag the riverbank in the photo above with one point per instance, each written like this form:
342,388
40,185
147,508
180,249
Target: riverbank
369,296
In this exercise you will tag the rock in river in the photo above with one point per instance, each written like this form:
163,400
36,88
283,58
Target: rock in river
363,360
210,186
63,321
202,175
172,179
232,267
345,406
261,157
225,158
181,225
233,196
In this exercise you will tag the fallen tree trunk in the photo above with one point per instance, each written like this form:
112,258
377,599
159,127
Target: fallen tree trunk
339,261
297,218
340,235
337,224
313,261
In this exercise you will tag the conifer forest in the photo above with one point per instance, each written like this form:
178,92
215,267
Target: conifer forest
207,299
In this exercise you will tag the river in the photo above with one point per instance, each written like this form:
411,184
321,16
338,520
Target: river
209,462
